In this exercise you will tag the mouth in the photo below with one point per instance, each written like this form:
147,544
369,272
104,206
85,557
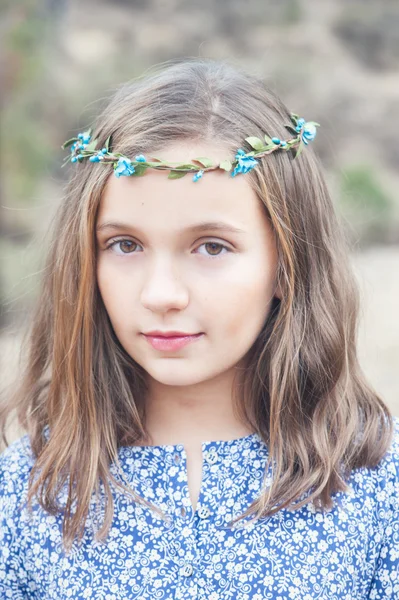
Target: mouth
174,342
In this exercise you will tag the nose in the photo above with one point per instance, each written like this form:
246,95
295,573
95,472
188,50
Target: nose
163,289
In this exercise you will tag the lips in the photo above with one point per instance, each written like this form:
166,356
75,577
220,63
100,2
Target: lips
157,333
171,342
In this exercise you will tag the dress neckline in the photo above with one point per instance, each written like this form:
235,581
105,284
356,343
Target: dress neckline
216,444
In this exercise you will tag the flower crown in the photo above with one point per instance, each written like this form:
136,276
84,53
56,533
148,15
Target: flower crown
82,147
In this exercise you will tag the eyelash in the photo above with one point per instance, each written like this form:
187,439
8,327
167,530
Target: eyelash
118,241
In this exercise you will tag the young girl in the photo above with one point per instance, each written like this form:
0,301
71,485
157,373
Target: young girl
198,425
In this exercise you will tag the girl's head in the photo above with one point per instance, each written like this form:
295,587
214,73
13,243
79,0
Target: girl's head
276,301
196,258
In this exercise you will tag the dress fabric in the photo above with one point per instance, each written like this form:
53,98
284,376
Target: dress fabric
350,552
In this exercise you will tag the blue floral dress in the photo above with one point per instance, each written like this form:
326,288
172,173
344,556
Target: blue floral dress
348,553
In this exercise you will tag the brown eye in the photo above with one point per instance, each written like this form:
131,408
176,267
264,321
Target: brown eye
124,245
212,246
214,249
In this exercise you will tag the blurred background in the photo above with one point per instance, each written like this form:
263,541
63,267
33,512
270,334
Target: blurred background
335,62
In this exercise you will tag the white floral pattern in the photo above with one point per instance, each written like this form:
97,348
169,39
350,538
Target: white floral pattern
348,553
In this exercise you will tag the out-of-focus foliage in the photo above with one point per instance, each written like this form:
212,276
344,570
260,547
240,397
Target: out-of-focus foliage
23,145
371,32
364,202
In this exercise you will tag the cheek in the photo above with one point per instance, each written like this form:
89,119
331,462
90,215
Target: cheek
104,283
114,293
243,303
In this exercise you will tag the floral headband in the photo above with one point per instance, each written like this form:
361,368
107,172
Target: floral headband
82,147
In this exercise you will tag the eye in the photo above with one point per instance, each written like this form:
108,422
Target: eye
116,242
218,245
126,246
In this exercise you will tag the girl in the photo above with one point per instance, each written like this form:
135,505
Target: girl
198,425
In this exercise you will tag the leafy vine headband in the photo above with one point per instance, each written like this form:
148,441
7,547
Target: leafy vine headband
82,147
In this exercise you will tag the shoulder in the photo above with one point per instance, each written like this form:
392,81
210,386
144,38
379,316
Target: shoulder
16,463
389,464
388,467
385,478
18,455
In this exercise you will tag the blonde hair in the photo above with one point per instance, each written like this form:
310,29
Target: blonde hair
303,392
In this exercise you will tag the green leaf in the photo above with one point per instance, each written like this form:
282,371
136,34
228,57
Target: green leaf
300,148
69,143
268,140
205,162
139,170
176,174
226,165
106,145
91,146
255,142
187,166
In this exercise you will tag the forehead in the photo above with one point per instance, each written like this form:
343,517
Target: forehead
176,202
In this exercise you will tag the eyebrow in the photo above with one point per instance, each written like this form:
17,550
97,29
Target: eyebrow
197,228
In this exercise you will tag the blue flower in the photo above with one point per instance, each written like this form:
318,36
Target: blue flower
279,142
198,175
300,124
245,163
140,158
83,140
124,167
85,137
309,133
99,156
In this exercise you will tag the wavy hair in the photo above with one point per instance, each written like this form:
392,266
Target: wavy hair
303,389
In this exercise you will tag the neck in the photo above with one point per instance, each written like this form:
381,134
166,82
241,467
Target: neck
193,414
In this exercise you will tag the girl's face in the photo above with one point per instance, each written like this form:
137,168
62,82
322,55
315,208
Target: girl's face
170,262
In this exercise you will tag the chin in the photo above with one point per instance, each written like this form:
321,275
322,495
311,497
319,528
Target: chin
177,375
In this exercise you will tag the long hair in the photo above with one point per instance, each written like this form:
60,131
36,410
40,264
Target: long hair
303,389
